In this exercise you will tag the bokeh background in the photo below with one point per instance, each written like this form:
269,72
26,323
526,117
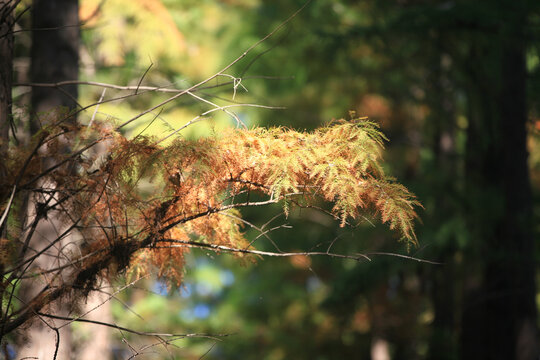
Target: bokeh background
440,77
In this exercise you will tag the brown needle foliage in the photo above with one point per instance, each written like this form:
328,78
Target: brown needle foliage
144,204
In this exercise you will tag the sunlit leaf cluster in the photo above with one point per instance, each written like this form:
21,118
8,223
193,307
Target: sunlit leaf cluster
144,204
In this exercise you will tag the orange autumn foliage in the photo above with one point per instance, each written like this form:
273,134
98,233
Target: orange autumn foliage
152,200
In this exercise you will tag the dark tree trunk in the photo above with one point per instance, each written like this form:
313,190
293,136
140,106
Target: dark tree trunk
55,54
6,71
499,318
510,277
442,187
54,58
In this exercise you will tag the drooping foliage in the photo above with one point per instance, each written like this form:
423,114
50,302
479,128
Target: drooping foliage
145,203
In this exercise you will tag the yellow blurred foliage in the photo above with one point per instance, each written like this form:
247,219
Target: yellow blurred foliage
144,27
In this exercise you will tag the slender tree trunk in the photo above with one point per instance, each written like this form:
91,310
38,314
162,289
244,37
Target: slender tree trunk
6,68
6,71
442,342
499,320
511,278
54,57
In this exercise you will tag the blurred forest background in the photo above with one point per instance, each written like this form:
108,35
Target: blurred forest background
455,86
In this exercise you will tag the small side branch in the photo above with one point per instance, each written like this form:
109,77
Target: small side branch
219,248
121,328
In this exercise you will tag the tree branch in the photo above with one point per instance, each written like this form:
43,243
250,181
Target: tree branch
193,335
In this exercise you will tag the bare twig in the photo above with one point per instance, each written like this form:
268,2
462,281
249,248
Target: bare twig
57,342
219,73
97,107
8,207
162,89
142,77
198,117
381,253
219,248
110,296
217,107
208,351
114,326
